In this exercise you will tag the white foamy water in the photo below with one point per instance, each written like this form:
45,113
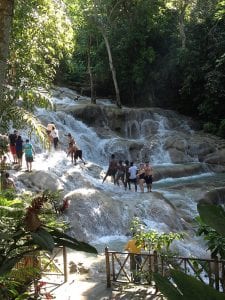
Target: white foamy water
172,201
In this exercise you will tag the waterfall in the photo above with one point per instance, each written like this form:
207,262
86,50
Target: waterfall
102,213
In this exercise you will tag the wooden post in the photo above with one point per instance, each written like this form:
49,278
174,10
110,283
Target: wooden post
107,264
223,276
113,268
217,277
156,267
65,264
155,255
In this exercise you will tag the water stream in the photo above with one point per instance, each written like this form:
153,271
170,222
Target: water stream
101,213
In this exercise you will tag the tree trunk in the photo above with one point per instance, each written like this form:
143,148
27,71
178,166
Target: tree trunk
93,99
6,16
118,102
182,30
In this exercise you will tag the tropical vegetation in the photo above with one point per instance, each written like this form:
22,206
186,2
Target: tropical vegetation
29,225
168,53
182,286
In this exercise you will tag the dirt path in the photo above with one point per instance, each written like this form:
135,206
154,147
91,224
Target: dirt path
89,289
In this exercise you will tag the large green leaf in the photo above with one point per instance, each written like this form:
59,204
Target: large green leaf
166,287
193,288
63,239
186,288
214,216
8,264
79,246
43,238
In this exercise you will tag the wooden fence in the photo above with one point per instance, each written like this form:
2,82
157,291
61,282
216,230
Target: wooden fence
52,269
119,268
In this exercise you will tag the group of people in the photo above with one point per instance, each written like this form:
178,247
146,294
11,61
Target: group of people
18,148
73,150
53,135
128,173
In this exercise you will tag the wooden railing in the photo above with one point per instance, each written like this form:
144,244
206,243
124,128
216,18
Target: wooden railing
52,273
119,269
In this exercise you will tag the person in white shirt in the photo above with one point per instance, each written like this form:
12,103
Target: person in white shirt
55,137
133,175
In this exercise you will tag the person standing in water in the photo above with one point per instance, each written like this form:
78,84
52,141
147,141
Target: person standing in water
120,173
12,145
133,175
29,152
71,147
111,169
78,154
148,176
19,150
55,137
127,175
73,150
141,177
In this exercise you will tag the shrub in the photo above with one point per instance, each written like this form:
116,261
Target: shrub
210,127
221,131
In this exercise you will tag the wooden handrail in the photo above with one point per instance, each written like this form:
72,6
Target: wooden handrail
153,262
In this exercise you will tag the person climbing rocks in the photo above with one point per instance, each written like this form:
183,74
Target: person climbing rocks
111,169
19,150
148,176
12,145
141,177
73,150
71,147
78,154
133,175
127,175
29,154
120,174
55,137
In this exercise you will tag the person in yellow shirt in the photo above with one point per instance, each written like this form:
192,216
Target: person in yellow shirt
135,258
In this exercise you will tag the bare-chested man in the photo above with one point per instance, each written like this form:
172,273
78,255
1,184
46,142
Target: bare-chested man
71,147
141,177
148,176
111,169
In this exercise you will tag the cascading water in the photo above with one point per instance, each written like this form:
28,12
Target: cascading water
103,212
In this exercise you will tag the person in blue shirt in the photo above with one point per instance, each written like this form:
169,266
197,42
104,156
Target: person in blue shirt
19,150
29,155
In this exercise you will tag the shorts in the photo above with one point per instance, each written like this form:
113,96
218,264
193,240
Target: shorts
29,158
77,154
134,180
148,179
111,172
12,149
19,154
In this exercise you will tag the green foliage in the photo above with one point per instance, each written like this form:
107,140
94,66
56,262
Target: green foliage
42,35
221,131
181,286
213,216
214,241
18,239
210,127
153,240
211,226
185,287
